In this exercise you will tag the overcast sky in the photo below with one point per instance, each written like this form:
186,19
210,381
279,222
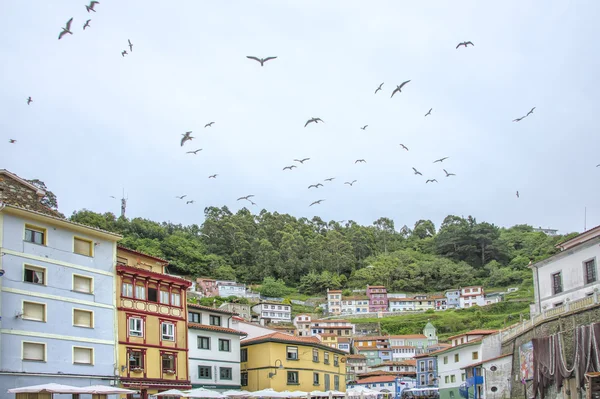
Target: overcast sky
100,123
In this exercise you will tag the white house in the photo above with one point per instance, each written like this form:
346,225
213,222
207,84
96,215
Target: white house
400,352
569,275
452,299
231,288
355,304
214,348
253,330
488,377
409,365
334,301
451,362
273,312
401,304
492,298
471,296
302,323
384,383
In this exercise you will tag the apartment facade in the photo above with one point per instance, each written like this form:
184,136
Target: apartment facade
342,328
302,323
214,348
569,275
241,310
355,365
401,304
334,301
427,374
471,296
355,304
283,362
230,288
152,324
273,312
453,299
487,379
378,300
56,294
207,287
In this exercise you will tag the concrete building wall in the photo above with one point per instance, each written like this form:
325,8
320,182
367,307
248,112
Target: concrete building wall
496,378
214,358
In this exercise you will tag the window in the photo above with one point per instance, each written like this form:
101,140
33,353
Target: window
451,394
292,353
215,320
452,378
244,355
82,246
315,355
168,363
315,378
83,318
36,235
136,327
127,289
326,357
35,275
194,317
336,382
445,359
83,355
463,376
204,372
590,271
140,292
168,331
136,360
152,294
244,379
225,373
164,297
175,299
456,358
422,379
447,379
34,311
83,284
429,365
336,360
327,382
557,283
475,355
203,343
35,351
224,345
292,378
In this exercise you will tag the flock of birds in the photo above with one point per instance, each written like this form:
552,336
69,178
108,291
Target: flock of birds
187,136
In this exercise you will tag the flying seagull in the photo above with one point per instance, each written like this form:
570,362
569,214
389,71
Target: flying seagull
301,160
213,176
448,174
124,53
417,172
530,112
87,24
12,141
317,202
440,160
350,183
430,181
91,6
247,197
364,127
429,112
398,89
315,120
289,167
261,60
466,44
360,160
194,152
403,146
518,119
209,124
187,136
379,88
315,185
332,178
181,197
130,45
517,194
189,202
29,100
66,29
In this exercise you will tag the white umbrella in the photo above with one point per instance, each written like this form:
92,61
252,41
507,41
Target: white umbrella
170,392
327,393
358,391
203,393
268,393
106,390
236,394
296,394
47,388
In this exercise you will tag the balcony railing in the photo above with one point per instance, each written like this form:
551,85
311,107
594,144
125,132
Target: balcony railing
153,307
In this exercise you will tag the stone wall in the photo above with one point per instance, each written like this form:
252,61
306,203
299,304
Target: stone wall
566,324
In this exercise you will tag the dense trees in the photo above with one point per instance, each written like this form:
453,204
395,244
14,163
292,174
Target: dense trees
313,255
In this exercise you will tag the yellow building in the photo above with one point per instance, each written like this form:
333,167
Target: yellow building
152,325
284,362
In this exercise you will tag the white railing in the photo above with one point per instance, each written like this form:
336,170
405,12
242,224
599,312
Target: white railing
583,303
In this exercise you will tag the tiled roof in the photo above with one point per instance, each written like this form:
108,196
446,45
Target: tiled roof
27,198
330,321
372,338
215,328
486,361
403,347
286,338
473,342
407,362
361,357
475,332
216,310
343,339
327,335
409,336
387,377
120,247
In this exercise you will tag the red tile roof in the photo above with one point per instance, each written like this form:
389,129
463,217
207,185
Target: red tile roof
286,338
356,357
382,378
215,328
328,335
216,310
407,362
122,248
372,338
475,332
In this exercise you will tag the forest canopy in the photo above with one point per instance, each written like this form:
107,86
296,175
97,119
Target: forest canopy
313,255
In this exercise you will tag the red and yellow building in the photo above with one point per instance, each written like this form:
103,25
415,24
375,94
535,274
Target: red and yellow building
152,325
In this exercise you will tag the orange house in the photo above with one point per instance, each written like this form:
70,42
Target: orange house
152,325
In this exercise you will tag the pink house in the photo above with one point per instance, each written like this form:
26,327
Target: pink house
207,286
378,300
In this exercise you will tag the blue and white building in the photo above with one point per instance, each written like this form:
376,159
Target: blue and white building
427,376
57,294
453,299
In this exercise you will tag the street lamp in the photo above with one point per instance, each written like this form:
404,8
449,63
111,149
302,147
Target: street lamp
280,367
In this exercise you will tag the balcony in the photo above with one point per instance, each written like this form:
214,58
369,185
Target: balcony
151,307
